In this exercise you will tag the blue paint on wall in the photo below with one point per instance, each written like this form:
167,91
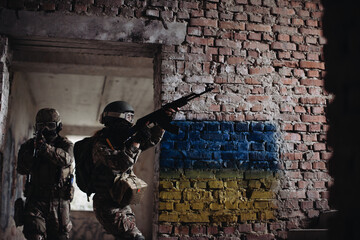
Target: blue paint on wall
218,145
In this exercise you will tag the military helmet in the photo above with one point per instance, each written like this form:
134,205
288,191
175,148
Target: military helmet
117,109
45,116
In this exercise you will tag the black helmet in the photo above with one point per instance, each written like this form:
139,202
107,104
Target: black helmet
117,109
48,117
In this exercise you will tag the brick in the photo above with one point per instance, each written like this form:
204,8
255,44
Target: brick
322,205
319,165
319,184
258,98
198,229
302,184
298,55
300,109
240,36
297,39
261,195
319,146
282,55
211,6
212,14
232,25
305,166
289,81
168,217
182,230
189,5
200,41
258,10
283,11
216,206
235,60
197,13
316,15
212,230
261,70
297,21
166,206
313,100
194,217
182,207
313,73
306,205
48,6
313,194
79,8
258,27
222,216
285,29
244,228
307,31
312,82
227,43
283,37
165,228
203,22
255,2
256,45
311,5
292,137
197,206
247,216
283,46
173,195
229,230
152,13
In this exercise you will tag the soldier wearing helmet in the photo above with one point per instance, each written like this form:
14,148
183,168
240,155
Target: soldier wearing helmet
46,160
114,160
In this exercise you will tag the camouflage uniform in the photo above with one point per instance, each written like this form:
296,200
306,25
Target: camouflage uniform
117,218
49,191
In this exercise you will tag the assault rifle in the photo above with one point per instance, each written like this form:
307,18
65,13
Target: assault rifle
38,137
159,117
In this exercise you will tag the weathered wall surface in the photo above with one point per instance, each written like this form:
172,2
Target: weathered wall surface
19,128
264,58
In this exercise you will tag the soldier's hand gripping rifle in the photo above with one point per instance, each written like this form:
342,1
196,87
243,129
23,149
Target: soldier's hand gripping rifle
159,117
39,141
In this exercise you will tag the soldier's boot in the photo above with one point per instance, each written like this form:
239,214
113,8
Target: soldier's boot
35,237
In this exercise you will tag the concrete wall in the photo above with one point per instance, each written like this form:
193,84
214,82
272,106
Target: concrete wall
18,129
265,60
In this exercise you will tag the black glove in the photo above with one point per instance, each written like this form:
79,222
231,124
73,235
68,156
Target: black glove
168,114
142,136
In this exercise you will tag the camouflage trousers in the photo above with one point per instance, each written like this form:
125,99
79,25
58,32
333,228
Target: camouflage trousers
116,220
48,219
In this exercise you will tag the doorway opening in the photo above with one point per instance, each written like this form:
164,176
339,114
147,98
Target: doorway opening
78,78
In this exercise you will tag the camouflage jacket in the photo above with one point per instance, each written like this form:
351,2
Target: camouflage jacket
121,158
51,166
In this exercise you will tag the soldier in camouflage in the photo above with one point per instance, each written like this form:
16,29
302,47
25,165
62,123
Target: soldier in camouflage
46,160
113,158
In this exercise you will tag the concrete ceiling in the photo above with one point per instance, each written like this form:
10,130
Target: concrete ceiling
79,85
